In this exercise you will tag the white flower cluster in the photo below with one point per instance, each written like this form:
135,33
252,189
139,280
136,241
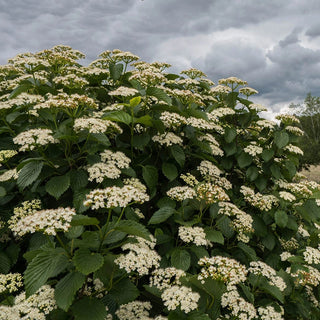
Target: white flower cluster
263,202
7,154
181,193
242,222
285,255
269,313
189,179
208,169
213,143
35,307
112,197
311,255
303,232
167,139
194,235
287,118
182,296
10,282
290,244
293,149
240,308
287,196
211,193
123,91
295,130
166,278
221,112
9,174
265,124
34,137
200,123
172,119
304,277
70,80
220,89
247,91
148,75
94,286
232,80
261,268
110,168
256,107
221,268
94,125
48,221
140,258
253,149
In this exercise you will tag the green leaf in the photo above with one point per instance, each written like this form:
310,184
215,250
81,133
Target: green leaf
198,316
230,148
214,236
244,160
159,94
275,170
78,179
45,265
22,88
135,101
146,120
267,154
224,224
169,170
150,176
161,215
29,173
86,261
140,141
181,259
66,289
261,183
230,134
119,116
178,154
124,291
249,252
89,308
272,290
5,263
281,139
115,70
134,228
252,173
101,138
56,186
3,192
281,218
79,196
269,241
82,220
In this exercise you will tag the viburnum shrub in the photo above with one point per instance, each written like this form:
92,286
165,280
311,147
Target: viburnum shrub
129,193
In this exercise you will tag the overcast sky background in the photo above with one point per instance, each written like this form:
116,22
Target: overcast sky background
273,44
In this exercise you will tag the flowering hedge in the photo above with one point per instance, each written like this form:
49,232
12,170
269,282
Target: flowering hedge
131,193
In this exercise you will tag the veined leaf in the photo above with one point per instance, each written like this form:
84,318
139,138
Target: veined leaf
134,228
169,170
124,291
281,139
161,215
116,70
82,220
29,173
66,289
56,186
281,218
119,116
178,154
150,175
159,94
89,308
181,259
86,261
45,265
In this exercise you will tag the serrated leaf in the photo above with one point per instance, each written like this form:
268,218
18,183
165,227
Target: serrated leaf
267,154
181,259
86,261
124,291
252,173
161,215
150,175
119,116
169,170
56,186
214,236
89,308
79,196
146,120
45,265
244,160
116,70
230,134
29,173
178,154
66,289
82,220
78,179
102,138
249,252
281,139
3,192
159,94
5,263
135,101
281,218
134,228
272,290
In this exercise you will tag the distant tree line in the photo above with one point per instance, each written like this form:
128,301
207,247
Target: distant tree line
308,113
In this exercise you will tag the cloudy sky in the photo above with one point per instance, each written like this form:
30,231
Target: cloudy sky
274,44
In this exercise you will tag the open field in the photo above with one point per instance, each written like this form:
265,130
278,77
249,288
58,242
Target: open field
313,173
